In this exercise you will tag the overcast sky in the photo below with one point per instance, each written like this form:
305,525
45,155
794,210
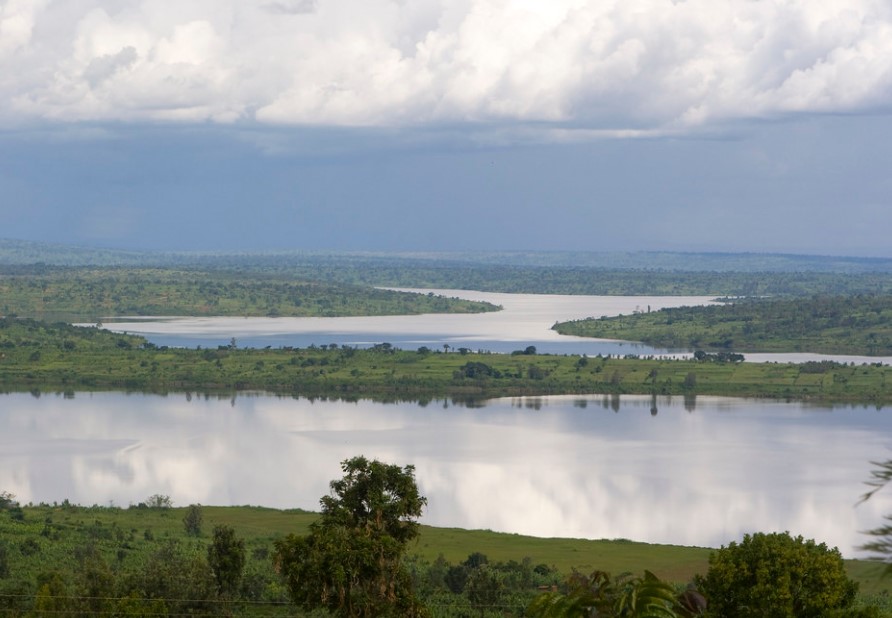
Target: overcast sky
718,125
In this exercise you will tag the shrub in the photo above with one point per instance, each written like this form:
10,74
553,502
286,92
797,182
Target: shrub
776,576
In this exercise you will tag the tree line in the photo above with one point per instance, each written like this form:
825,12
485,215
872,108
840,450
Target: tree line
88,294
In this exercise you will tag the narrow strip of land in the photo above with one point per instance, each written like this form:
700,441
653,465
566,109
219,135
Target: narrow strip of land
36,355
856,325
88,294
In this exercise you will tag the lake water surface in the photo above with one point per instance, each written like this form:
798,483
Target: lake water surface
526,319
691,472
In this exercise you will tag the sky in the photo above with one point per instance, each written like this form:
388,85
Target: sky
448,125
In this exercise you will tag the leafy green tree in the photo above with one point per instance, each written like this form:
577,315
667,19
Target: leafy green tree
226,557
881,543
7,500
193,519
600,594
4,560
351,562
484,588
95,584
179,578
159,501
52,596
776,576
135,605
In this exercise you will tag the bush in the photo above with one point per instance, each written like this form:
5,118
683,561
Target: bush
192,520
776,576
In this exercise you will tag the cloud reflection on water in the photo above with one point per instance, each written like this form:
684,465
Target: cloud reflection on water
556,466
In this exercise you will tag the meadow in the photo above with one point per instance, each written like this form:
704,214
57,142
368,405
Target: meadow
144,558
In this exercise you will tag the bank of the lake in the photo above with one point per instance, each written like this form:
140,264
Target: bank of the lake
63,357
854,325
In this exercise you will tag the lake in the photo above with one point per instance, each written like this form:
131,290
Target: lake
664,470
526,319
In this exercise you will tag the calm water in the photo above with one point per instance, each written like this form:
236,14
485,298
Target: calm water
666,470
526,319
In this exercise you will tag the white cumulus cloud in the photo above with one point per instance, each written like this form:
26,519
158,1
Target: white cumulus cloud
619,67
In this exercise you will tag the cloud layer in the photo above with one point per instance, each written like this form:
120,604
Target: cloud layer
610,65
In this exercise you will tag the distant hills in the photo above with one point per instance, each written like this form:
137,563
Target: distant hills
21,252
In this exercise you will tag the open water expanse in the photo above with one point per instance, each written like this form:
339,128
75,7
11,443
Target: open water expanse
526,319
690,472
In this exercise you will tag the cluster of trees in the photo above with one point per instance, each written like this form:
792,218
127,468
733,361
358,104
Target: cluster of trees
84,294
718,357
352,564
598,274
173,578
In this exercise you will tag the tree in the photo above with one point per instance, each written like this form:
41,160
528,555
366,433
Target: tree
881,545
175,576
776,576
226,557
350,562
159,501
192,520
484,588
600,594
4,560
7,500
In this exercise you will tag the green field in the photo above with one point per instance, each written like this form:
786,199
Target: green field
110,550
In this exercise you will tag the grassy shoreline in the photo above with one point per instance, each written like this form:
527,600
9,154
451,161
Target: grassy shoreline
36,355
109,527
851,325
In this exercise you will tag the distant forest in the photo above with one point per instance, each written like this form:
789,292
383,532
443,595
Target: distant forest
636,273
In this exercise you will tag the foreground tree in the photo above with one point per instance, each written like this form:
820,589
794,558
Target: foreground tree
192,520
776,576
351,562
600,594
881,537
226,557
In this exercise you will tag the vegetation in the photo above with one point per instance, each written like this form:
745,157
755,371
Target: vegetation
365,554
600,594
776,576
860,325
18,252
139,561
61,357
351,562
638,273
90,294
